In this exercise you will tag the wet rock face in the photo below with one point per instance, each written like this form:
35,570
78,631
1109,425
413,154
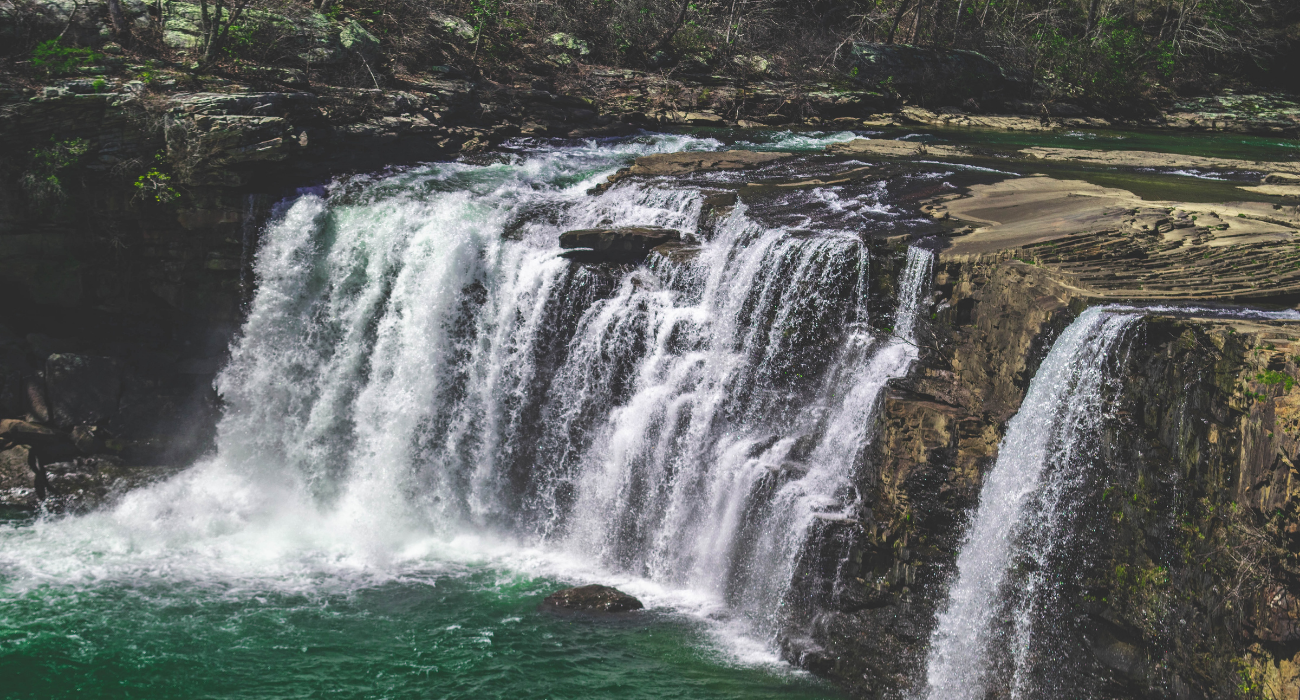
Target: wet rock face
593,598
83,389
868,594
629,244
1184,547
86,483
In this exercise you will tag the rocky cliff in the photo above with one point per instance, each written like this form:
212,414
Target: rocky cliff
1181,581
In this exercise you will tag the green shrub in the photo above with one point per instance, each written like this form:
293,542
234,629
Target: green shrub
1112,69
42,181
54,59
1271,377
155,185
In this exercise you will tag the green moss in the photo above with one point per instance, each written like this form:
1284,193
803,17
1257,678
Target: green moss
43,180
1271,377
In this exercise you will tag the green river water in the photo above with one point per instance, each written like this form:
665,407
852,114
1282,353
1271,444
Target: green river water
436,628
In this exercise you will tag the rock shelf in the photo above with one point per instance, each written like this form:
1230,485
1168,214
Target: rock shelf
1111,243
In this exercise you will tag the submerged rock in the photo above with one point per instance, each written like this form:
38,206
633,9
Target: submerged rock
593,598
86,483
628,244
674,252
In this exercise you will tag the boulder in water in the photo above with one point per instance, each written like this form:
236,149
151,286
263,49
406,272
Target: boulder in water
593,598
16,468
628,244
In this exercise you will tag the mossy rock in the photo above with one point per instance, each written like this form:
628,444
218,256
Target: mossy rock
316,38
569,43
356,39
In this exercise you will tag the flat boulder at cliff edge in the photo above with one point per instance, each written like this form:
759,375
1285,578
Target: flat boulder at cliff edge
627,244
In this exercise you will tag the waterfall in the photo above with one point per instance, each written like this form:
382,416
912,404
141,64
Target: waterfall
698,477
420,366
684,421
1023,514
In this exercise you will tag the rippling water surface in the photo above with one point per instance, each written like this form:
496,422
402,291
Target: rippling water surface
460,622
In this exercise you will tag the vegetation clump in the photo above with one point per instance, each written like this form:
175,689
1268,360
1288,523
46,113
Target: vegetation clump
1271,377
54,59
42,182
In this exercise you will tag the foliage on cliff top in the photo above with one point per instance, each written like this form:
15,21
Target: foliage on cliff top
55,59
1099,52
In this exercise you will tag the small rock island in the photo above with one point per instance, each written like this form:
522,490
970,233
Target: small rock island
592,598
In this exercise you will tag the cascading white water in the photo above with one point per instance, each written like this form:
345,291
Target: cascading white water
419,363
691,480
434,378
1050,439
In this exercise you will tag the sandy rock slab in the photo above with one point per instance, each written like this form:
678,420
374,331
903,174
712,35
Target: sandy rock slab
1281,173
1018,212
888,148
1152,159
1109,242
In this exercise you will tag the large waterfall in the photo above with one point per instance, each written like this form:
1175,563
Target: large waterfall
421,372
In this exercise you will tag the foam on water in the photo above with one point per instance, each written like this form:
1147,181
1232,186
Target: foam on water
799,140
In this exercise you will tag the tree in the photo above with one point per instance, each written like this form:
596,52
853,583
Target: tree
215,21
121,29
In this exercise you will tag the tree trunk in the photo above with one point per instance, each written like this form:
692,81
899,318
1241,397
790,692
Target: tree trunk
677,24
71,16
898,17
1093,7
935,10
916,22
121,28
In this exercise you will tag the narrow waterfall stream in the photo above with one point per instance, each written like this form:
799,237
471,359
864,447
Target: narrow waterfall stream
1047,444
1007,628
425,394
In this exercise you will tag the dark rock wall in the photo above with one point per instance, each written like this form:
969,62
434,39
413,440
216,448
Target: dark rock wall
120,309
1179,575
869,594
1192,590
